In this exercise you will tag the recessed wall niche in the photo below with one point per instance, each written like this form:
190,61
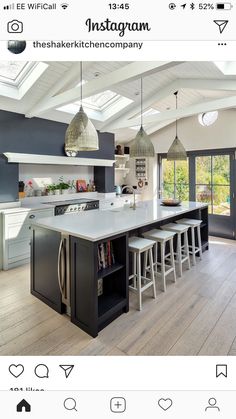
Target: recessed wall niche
43,174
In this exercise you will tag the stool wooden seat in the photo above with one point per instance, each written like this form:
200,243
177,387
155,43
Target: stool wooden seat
182,251
137,246
193,224
167,264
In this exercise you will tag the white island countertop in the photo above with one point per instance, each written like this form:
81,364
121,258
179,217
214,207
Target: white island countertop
97,225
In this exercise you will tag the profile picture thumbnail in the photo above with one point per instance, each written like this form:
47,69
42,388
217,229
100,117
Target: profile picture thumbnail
16,47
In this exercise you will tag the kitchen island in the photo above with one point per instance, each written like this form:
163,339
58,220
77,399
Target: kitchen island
65,251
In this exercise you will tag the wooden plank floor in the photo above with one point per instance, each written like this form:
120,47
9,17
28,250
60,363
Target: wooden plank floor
196,316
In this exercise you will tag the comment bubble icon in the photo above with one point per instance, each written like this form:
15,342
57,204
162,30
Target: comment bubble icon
41,371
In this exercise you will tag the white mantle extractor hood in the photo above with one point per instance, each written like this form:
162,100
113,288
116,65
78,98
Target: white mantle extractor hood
66,161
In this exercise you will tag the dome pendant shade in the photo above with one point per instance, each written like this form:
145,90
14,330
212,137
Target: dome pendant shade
176,151
81,135
142,145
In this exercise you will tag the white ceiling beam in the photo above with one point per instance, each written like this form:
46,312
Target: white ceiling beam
207,84
126,73
158,95
213,105
198,84
156,127
150,130
70,75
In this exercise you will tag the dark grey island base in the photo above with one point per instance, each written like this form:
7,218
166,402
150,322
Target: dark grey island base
89,311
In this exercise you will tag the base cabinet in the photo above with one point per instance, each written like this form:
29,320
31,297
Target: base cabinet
92,309
44,267
16,235
98,272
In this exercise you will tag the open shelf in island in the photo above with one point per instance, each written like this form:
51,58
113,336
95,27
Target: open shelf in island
92,312
102,273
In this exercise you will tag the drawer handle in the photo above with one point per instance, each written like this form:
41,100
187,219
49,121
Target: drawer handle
32,216
112,203
59,266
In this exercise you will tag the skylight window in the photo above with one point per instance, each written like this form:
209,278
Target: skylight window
12,72
17,77
11,69
148,112
100,106
228,68
101,100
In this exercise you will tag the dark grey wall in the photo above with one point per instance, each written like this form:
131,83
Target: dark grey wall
8,181
37,136
104,179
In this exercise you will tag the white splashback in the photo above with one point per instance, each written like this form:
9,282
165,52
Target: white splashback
42,175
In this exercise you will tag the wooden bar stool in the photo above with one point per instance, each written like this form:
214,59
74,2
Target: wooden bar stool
193,224
137,246
182,251
167,263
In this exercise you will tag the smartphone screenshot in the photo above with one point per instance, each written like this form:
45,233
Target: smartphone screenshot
117,209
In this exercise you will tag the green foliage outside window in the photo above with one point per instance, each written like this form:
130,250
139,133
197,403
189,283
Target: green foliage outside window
212,181
175,179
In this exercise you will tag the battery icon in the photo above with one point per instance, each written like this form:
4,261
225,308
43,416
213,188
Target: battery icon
224,6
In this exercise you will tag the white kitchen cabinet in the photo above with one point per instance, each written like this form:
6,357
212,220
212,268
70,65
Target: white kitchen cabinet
16,235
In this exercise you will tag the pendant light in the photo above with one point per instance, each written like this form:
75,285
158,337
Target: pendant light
176,150
142,145
81,135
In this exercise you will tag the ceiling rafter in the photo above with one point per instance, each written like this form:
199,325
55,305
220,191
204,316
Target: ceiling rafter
70,76
207,106
160,94
151,129
207,84
125,73
126,121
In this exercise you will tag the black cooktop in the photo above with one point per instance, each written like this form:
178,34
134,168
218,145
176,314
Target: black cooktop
71,202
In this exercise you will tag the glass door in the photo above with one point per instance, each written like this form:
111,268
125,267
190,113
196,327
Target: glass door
175,179
214,185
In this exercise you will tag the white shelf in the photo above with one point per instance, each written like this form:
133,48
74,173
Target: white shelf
122,169
122,157
56,160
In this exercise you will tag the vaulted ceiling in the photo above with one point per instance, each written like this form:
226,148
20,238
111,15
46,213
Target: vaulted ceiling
111,91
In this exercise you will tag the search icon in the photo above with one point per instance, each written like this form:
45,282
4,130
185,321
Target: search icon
70,404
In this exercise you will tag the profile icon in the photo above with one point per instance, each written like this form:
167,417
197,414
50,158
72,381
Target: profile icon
212,405
16,47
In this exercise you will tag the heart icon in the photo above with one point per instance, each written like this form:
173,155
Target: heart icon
16,370
165,404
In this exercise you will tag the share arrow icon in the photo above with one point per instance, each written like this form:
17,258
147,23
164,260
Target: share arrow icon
221,24
67,369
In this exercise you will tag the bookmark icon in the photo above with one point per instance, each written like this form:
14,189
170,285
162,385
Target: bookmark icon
221,370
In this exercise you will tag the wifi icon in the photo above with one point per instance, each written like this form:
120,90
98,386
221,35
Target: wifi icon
64,6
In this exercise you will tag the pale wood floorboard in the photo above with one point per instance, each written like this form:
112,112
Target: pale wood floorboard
196,316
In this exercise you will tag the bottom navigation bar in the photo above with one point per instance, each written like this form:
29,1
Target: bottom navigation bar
128,404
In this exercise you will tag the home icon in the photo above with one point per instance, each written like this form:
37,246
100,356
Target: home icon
23,406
